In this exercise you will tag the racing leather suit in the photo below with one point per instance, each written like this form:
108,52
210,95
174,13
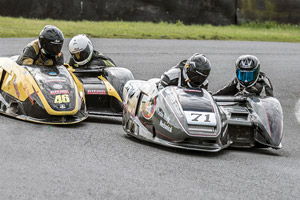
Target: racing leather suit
176,76
262,87
32,56
97,59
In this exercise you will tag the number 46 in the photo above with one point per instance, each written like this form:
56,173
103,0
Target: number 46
62,98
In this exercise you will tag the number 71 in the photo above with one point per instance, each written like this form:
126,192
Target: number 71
198,116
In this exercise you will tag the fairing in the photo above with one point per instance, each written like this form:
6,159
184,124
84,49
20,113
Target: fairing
103,88
193,111
57,87
253,120
269,119
193,119
174,117
41,93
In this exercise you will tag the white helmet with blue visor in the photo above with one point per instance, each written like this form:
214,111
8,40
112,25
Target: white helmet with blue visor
247,70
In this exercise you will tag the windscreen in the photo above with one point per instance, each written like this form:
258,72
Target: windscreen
56,85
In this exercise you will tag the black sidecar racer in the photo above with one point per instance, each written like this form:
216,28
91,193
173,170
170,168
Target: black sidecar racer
103,87
194,119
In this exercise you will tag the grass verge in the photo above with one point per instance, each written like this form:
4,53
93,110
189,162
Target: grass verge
267,31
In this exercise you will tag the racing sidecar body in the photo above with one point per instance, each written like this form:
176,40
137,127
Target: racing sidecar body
42,94
174,116
103,88
194,119
253,121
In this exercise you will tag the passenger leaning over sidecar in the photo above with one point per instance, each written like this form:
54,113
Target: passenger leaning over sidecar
191,73
248,79
46,50
84,55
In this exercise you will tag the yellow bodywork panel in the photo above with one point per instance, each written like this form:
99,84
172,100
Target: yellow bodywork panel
110,89
17,80
19,83
76,80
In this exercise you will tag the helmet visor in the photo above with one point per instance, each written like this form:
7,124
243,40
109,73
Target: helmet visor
56,48
196,78
52,49
82,55
247,76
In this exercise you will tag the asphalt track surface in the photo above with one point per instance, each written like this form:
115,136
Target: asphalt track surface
92,160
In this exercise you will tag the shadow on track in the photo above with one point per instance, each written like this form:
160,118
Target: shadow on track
261,151
265,151
92,119
175,150
17,120
104,119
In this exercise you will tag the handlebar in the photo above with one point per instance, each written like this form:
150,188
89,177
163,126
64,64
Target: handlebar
230,99
90,69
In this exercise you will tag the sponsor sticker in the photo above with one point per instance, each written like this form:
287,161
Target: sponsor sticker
55,92
57,86
96,92
161,113
175,105
148,109
52,73
165,126
55,80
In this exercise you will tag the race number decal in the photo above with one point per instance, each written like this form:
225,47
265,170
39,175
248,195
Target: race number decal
201,118
62,98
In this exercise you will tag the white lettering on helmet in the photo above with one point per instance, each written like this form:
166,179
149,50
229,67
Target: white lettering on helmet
246,62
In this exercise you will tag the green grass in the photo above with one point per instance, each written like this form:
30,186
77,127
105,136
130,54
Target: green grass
268,31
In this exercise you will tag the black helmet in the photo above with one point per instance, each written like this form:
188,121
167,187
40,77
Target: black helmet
51,40
197,69
247,70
